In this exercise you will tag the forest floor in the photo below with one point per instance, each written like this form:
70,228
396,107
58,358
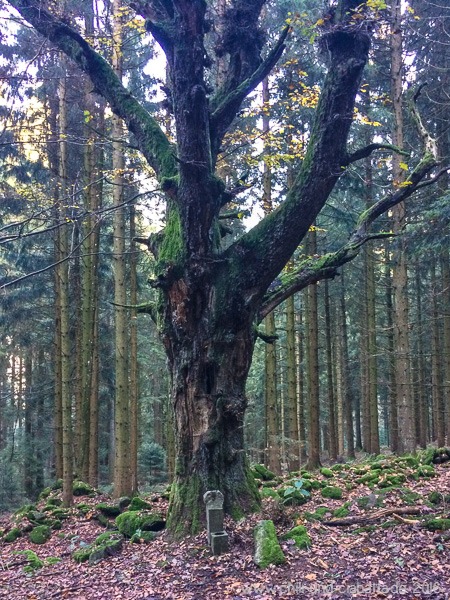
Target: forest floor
385,555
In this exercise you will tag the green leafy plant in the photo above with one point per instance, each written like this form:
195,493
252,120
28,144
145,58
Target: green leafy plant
292,490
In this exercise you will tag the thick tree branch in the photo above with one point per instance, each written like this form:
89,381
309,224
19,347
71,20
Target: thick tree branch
368,150
150,138
263,251
313,270
158,15
226,104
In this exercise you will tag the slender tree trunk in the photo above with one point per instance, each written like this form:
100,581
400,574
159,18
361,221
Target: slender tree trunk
272,416
436,365
301,386
134,378
422,413
332,443
122,474
63,283
445,270
29,462
393,399
292,405
400,270
372,370
338,364
313,366
345,376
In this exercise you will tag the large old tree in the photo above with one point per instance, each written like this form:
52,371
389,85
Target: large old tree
211,299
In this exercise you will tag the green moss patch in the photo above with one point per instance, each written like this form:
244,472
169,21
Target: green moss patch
130,522
342,512
438,524
106,544
327,472
426,471
267,548
40,534
143,537
80,488
392,480
438,498
12,535
332,492
108,510
319,514
300,536
261,472
139,504
269,493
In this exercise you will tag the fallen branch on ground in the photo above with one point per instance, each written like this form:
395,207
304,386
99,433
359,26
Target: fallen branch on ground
376,516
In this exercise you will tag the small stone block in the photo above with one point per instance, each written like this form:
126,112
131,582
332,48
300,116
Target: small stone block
219,543
214,518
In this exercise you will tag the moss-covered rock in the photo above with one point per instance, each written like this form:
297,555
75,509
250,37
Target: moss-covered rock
332,492
60,513
128,523
300,536
438,498
123,502
52,502
319,514
315,484
261,472
45,493
392,480
106,544
37,517
80,488
370,477
342,512
23,510
139,504
269,493
269,484
438,524
338,468
83,508
326,472
267,548
108,510
435,497
143,537
40,534
12,535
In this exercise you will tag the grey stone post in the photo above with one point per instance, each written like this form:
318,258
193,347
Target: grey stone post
217,538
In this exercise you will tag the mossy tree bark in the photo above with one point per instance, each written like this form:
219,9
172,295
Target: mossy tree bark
211,298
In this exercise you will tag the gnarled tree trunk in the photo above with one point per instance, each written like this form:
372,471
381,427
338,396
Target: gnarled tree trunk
212,298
